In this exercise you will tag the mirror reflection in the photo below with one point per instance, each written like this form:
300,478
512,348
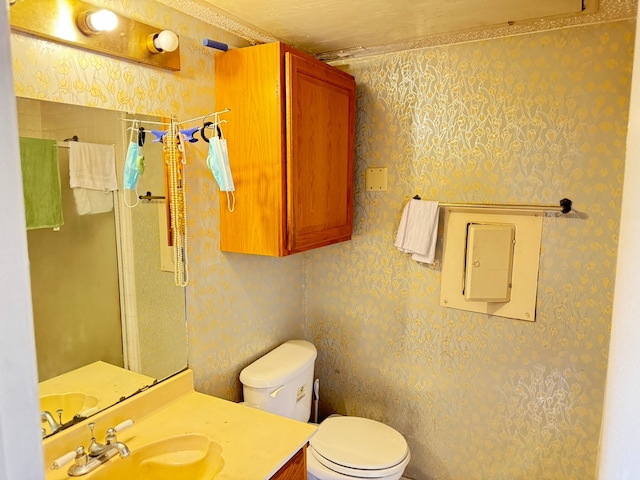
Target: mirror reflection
108,317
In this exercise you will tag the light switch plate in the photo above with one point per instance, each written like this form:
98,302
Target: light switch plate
375,179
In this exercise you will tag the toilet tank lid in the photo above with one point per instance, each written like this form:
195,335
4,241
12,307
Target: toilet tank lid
279,365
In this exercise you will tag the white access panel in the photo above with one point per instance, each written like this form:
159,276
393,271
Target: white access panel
489,262
526,255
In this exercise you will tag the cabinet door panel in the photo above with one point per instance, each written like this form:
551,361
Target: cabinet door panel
295,468
320,132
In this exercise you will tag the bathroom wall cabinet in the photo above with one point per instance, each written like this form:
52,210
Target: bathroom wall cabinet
290,135
295,468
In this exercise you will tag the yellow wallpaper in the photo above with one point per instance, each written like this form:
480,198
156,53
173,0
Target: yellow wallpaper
527,119
523,119
55,72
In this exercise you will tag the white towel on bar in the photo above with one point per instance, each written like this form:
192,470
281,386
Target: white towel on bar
90,202
92,166
418,230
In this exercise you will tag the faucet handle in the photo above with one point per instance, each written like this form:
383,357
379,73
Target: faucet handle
95,448
123,425
81,456
60,462
111,433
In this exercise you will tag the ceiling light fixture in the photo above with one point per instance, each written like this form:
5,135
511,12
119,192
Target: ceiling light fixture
91,23
164,41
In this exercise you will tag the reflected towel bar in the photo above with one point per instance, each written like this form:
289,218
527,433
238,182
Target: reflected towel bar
150,197
564,207
65,143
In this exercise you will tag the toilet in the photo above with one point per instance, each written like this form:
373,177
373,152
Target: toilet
344,447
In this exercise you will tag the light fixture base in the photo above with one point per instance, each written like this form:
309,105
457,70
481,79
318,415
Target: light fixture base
128,41
151,45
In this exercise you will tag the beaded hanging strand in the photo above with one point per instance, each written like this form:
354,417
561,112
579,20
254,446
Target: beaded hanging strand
183,277
178,208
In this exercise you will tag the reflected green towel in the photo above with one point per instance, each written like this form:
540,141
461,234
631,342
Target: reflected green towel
41,183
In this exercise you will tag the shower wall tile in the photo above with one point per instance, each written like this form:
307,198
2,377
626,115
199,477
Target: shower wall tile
29,110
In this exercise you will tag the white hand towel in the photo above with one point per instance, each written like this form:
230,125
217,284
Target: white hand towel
90,202
92,166
418,230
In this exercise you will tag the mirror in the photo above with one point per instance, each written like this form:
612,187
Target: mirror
108,317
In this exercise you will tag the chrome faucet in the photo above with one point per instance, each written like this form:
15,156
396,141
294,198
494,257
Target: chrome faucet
96,449
97,454
85,464
54,425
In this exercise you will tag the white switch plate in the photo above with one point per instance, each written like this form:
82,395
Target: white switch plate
375,179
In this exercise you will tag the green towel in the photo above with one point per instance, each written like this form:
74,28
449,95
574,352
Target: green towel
41,183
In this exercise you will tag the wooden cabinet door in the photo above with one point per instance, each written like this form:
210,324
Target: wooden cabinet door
295,468
320,108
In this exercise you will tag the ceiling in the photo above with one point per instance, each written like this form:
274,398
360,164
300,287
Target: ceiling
334,29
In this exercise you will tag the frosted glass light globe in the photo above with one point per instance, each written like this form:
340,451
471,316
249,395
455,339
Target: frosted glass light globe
102,21
166,41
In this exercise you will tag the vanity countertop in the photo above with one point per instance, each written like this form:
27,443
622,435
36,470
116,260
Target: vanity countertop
107,382
255,444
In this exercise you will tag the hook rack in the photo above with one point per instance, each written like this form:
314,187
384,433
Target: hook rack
166,124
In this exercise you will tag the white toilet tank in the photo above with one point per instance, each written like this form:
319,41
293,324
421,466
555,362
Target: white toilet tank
281,381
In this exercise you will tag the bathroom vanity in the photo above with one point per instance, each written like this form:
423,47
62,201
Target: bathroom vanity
186,434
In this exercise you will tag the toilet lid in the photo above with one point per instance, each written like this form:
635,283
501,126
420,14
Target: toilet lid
358,443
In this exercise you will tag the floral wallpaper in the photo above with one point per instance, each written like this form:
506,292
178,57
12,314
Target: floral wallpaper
526,119
523,119
47,70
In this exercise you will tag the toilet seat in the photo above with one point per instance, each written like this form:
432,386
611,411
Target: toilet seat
355,447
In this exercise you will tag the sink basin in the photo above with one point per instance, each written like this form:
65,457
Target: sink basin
71,403
183,457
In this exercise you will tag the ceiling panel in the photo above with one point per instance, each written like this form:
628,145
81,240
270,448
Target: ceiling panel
320,26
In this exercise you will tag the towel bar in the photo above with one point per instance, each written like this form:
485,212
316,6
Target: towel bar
564,207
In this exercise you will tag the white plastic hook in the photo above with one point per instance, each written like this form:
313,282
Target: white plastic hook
135,126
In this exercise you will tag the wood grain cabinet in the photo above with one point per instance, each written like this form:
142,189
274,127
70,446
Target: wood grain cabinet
290,136
295,468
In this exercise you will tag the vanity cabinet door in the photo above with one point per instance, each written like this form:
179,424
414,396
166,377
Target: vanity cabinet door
294,469
320,132
290,137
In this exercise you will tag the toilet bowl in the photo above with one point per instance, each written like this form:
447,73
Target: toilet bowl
355,447
344,447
